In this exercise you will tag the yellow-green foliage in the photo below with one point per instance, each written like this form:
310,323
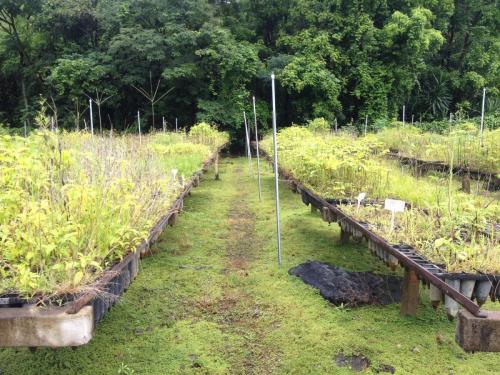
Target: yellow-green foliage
188,313
334,165
452,228
460,146
73,204
318,125
206,134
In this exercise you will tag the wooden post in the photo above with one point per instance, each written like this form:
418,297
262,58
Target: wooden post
344,236
173,219
217,177
409,293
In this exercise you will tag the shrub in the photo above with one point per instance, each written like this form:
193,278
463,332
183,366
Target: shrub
319,125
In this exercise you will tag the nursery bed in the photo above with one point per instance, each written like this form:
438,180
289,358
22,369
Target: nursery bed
33,323
441,283
490,179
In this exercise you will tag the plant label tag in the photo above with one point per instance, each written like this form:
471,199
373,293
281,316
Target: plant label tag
173,174
394,205
360,198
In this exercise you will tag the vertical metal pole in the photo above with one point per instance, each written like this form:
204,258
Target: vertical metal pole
176,128
249,153
276,186
412,117
91,118
139,125
257,148
164,126
246,139
336,125
482,119
404,108
366,124
25,129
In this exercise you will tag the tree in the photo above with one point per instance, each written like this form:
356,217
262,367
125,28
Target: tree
13,13
77,77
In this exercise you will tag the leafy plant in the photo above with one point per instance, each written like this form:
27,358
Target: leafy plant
462,140
73,204
319,125
444,223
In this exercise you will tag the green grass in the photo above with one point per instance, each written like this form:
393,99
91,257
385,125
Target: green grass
213,301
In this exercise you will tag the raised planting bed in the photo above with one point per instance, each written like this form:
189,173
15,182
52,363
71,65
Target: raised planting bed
69,319
452,287
459,147
477,330
490,180
446,225
31,324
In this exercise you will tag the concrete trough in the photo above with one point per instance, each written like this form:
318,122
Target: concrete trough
475,334
33,326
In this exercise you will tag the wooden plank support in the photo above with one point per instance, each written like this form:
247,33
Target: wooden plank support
344,236
173,219
217,177
409,293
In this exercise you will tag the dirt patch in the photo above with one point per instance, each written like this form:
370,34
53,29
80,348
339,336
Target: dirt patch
386,368
240,242
358,363
235,310
349,288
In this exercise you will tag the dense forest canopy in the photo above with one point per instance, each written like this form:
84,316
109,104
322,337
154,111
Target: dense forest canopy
203,60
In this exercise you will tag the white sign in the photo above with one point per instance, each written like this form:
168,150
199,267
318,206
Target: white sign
361,196
173,174
394,205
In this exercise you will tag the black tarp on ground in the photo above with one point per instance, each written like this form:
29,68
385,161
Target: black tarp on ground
349,288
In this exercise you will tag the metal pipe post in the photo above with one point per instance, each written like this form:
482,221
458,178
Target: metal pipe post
482,119
276,186
257,148
91,117
247,135
139,125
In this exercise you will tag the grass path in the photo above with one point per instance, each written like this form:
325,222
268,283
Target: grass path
213,301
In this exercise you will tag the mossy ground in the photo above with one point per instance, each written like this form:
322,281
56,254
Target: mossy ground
212,300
